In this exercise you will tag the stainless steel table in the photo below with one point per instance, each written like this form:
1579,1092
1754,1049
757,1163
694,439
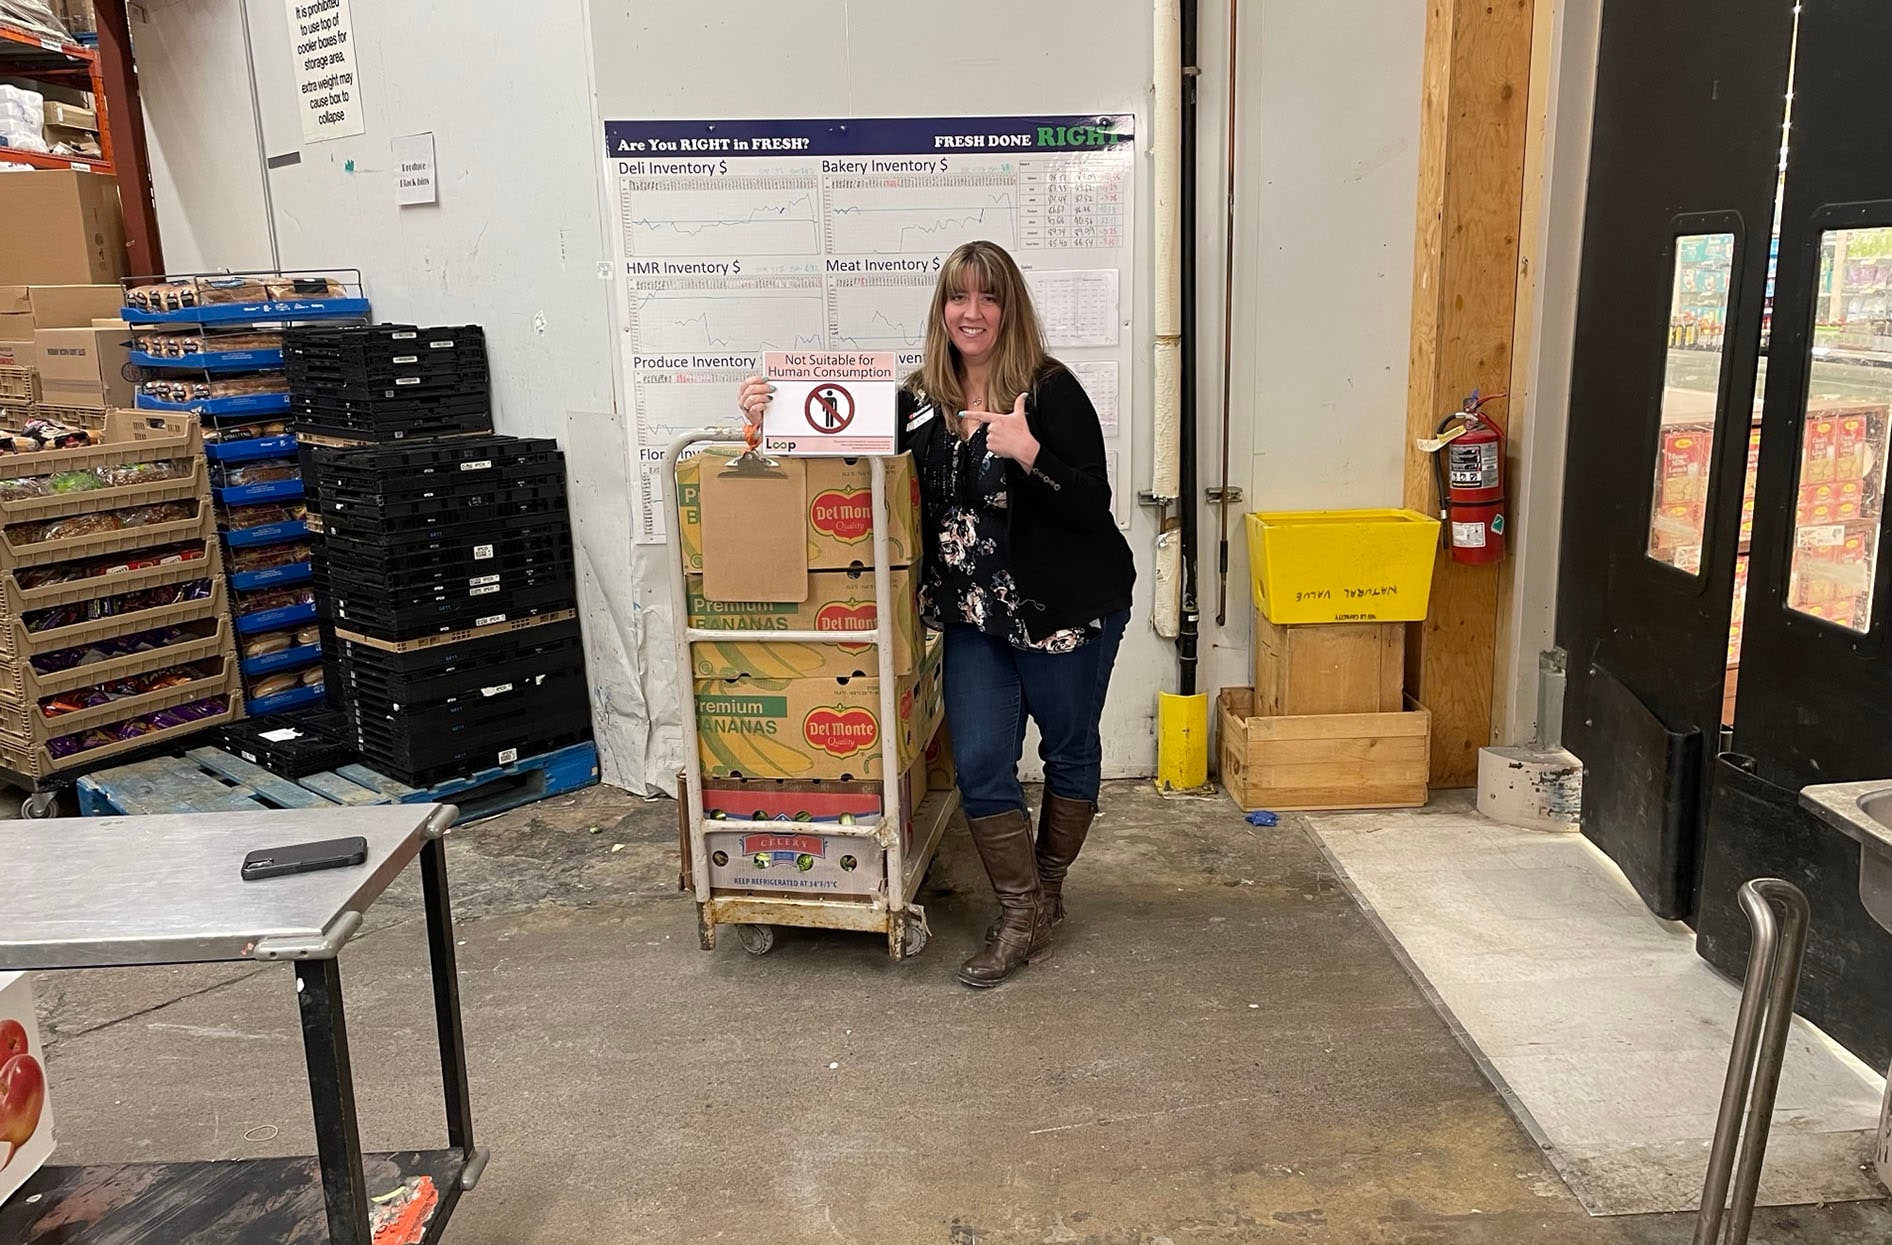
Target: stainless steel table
123,891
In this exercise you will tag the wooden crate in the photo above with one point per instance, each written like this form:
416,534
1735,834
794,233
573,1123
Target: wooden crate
1313,668
1322,761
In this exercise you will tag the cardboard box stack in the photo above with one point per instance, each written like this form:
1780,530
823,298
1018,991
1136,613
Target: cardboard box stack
792,731
447,577
76,373
1836,514
1326,724
114,626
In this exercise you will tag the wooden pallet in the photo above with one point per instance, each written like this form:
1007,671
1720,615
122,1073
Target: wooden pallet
210,780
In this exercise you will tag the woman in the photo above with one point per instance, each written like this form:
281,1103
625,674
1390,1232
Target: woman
1025,572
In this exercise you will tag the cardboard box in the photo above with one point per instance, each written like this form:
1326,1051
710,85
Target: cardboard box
1322,761
1820,456
776,840
1682,469
62,228
23,1074
84,367
840,526
77,16
72,116
752,727
1329,667
1674,527
838,601
26,309
942,774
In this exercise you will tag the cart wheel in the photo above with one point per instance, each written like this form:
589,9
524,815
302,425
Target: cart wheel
917,935
756,939
40,805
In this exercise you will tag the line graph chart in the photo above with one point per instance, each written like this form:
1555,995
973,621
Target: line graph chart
899,215
879,312
679,321
671,217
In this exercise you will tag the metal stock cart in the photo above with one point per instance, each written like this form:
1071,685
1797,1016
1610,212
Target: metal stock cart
888,849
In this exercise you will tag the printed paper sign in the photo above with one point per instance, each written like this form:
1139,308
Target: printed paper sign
414,178
322,54
833,403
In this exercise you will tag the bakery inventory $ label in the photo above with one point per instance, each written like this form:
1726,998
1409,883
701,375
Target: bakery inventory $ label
732,240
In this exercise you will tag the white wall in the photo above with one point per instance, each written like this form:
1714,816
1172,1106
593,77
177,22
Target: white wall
1327,168
1329,126
196,89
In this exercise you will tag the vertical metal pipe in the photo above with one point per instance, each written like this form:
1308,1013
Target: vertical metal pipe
1189,487
1228,314
262,148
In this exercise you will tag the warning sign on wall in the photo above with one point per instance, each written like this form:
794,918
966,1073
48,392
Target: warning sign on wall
322,48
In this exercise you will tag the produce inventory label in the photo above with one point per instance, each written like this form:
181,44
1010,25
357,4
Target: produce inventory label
734,240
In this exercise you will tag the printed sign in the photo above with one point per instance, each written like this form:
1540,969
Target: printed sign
322,54
414,183
835,403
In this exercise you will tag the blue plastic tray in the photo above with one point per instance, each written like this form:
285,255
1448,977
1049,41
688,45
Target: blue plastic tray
248,313
272,577
243,404
263,705
276,619
246,451
288,659
214,361
267,534
251,494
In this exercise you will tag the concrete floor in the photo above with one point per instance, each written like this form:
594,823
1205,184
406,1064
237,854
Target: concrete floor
1221,1050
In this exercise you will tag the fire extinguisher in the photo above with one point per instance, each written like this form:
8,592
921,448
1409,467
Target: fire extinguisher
1470,467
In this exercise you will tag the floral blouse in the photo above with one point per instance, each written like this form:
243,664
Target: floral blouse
970,581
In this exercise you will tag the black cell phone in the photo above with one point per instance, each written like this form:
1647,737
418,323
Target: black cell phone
276,862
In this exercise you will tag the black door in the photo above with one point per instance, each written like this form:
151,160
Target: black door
1683,172
1815,694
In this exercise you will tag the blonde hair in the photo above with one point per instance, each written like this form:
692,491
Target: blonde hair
1019,354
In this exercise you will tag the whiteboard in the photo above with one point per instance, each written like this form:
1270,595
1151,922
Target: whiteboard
733,238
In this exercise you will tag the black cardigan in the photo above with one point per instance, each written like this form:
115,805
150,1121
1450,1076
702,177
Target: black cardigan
1068,558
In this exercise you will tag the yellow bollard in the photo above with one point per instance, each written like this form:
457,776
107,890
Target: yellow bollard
1182,741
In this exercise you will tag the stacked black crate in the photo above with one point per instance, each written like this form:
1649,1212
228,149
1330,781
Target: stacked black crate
447,582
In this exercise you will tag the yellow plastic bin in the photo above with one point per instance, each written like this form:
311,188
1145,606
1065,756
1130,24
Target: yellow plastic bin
1326,566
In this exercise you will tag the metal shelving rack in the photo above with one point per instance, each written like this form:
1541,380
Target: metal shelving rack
24,54
892,910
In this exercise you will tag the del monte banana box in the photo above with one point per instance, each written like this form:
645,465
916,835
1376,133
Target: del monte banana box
751,727
840,510
838,601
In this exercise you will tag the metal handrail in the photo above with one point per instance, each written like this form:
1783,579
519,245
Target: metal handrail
1777,918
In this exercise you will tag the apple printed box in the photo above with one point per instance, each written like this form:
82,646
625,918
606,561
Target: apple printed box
840,506
838,602
813,728
830,402
26,1121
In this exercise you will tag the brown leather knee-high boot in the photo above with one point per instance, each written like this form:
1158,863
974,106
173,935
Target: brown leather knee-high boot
1005,846
1063,825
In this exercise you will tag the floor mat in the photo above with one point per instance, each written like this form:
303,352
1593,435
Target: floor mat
1605,1032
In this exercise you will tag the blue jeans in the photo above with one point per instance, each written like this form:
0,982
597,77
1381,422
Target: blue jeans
991,688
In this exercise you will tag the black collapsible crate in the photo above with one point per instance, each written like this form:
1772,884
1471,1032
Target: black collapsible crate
294,744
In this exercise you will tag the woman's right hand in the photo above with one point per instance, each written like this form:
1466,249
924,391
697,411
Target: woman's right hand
754,397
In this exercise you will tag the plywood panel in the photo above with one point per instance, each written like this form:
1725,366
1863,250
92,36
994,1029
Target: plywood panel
1474,123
